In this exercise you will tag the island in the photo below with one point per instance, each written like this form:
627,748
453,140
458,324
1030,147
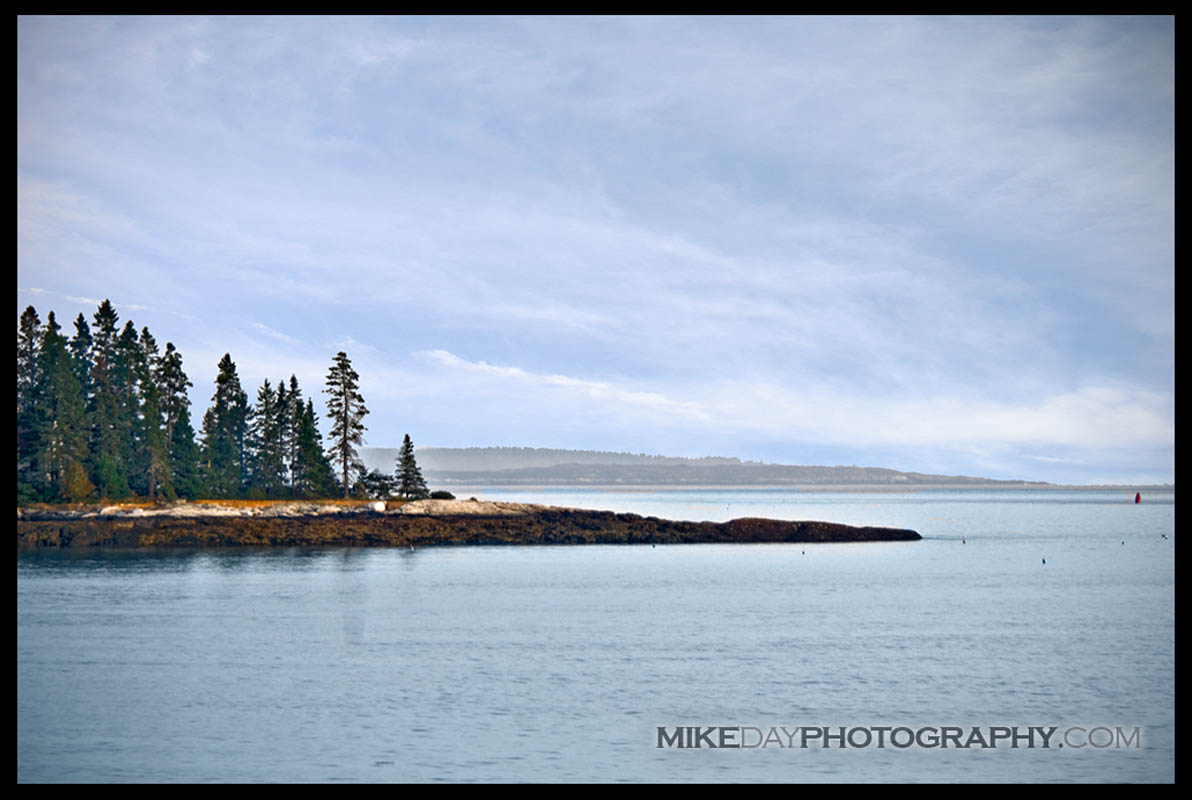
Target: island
419,523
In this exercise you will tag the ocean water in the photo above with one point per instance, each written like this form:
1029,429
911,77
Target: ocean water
560,663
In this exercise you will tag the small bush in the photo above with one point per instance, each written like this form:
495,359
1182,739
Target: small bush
441,495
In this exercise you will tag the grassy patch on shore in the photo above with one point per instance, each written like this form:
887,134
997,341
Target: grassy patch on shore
129,505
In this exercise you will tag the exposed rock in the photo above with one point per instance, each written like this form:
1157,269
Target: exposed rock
419,524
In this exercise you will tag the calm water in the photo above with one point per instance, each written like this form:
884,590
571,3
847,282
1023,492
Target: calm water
558,663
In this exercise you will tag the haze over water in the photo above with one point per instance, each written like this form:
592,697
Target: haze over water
558,663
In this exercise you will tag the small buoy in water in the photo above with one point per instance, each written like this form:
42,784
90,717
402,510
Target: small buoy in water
962,540
653,546
1045,561
1138,497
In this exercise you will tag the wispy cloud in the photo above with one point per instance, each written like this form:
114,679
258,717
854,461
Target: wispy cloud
601,393
274,334
1092,417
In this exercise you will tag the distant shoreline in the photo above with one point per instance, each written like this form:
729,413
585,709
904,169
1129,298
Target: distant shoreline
884,488
513,467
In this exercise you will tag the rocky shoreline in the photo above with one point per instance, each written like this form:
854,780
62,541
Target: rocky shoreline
419,524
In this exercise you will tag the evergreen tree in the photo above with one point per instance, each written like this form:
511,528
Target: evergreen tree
126,372
268,463
62,435
104,339
312,475
152,447
29,339
409,478
291,411
174,402
345,408
109,426
80,350
375,485
184,457
81,346
225,434
282,402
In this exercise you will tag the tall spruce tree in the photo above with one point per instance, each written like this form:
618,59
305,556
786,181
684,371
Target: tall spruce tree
81,347
283,437
312,474
62,435
345,408
129,366
109,425
268,464
152,454
174,402
184,457
409,478
291,411
80,351
225,434
29,339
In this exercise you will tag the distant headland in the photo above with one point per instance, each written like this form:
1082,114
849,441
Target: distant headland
545,467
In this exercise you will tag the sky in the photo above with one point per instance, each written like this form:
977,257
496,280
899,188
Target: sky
929,244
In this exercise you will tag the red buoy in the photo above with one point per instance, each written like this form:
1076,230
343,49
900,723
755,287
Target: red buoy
1138,497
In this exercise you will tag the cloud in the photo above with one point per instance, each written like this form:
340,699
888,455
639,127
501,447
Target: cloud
600,395
274,334
1092,418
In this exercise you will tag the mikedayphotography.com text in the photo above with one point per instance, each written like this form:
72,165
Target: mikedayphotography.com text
899,737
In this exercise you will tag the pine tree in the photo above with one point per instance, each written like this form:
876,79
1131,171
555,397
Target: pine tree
109,428
104,322
225,434
29,338
375,485
62,437
265,436
292,412
345,407
80,350
175,403
312,475
152,454
184,457
409,478
128,367
282,402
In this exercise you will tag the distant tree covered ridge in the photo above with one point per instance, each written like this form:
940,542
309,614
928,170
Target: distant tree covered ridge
489,458
104,414
528,466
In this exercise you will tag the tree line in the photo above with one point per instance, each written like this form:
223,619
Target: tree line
105,414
